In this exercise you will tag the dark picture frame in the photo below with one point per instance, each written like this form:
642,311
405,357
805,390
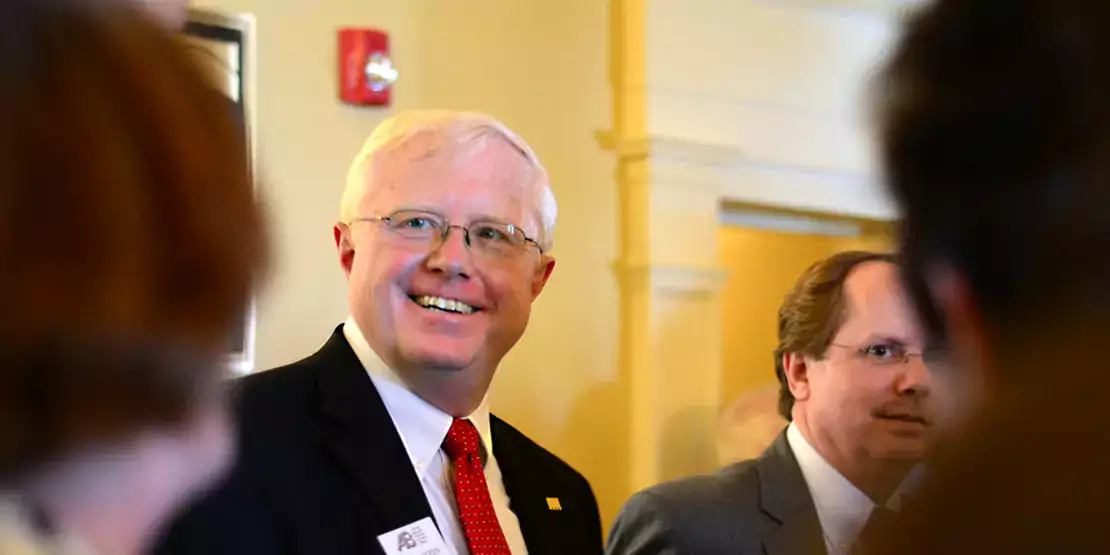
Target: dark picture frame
228,41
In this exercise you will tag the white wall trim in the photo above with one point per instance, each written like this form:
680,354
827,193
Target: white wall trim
738,178
671,148
669,90
788,223
810,190
673,278
884,8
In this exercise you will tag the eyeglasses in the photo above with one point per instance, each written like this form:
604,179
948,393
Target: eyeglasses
881,354
486,238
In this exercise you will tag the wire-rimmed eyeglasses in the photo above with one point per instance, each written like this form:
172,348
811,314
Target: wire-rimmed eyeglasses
488,238
881,354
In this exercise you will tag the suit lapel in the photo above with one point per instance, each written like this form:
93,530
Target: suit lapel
785,498
364,442
528,504
517,487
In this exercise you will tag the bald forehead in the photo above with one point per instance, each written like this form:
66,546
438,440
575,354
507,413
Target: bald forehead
490,172
488,161
871,278
876,302
439,146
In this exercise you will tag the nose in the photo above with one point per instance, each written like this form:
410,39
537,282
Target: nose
451,254
914,378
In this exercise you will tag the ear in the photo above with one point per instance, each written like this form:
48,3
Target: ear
345,247
797,375
543,273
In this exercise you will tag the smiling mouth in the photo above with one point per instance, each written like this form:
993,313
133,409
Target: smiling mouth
441,304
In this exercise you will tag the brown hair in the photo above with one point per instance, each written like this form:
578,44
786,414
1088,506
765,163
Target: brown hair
129,231
812,312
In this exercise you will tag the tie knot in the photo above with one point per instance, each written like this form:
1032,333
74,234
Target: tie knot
462,440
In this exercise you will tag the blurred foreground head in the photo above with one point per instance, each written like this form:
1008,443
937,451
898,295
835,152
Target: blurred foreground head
996,138
129,242
995,125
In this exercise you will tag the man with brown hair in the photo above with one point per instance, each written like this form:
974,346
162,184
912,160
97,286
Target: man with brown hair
854,388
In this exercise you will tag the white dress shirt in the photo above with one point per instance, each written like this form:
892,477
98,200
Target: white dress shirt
841,507
422,428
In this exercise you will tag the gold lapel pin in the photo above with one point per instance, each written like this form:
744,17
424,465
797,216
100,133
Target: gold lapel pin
553,504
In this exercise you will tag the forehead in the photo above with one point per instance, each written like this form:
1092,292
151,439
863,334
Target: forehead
434,172
875,305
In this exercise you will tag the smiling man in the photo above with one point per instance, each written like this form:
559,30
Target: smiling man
383,440
855,390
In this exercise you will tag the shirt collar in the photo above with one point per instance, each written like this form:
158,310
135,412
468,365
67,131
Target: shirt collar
421,425
841,507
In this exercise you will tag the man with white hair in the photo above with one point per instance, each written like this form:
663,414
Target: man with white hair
383,441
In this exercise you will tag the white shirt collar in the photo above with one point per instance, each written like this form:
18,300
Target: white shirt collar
422,426
841,507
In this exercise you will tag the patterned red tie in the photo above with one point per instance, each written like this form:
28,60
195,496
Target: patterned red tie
479,520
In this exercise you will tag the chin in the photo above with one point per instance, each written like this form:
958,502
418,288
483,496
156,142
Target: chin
441,353
434,338
911,451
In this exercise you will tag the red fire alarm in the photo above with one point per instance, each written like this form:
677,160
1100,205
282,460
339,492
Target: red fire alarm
366,73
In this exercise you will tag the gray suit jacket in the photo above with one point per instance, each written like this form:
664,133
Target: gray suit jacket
755,507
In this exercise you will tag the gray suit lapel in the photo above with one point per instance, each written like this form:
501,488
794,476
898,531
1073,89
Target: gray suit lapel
785,498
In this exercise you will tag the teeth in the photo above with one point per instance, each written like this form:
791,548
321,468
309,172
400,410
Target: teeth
449,305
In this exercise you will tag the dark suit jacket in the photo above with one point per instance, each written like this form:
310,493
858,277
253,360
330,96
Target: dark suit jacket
322,471
756,507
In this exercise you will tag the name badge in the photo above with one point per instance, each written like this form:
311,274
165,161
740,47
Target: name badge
419,538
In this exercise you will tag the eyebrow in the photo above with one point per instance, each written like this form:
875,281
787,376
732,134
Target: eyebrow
876,338
411,208
492,220
473,219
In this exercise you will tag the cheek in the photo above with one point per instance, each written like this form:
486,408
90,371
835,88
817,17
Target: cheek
511,290
378,271
872,392
857,391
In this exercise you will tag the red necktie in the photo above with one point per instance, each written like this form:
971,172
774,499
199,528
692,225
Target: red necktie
479,520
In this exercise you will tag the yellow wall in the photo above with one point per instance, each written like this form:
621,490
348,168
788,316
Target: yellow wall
539,66
763,266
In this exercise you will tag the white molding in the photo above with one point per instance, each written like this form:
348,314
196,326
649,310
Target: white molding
669,148
807,189
788,223
886,8
738,178
673,278
838,140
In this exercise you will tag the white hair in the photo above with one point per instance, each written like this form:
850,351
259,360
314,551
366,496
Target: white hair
461,128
